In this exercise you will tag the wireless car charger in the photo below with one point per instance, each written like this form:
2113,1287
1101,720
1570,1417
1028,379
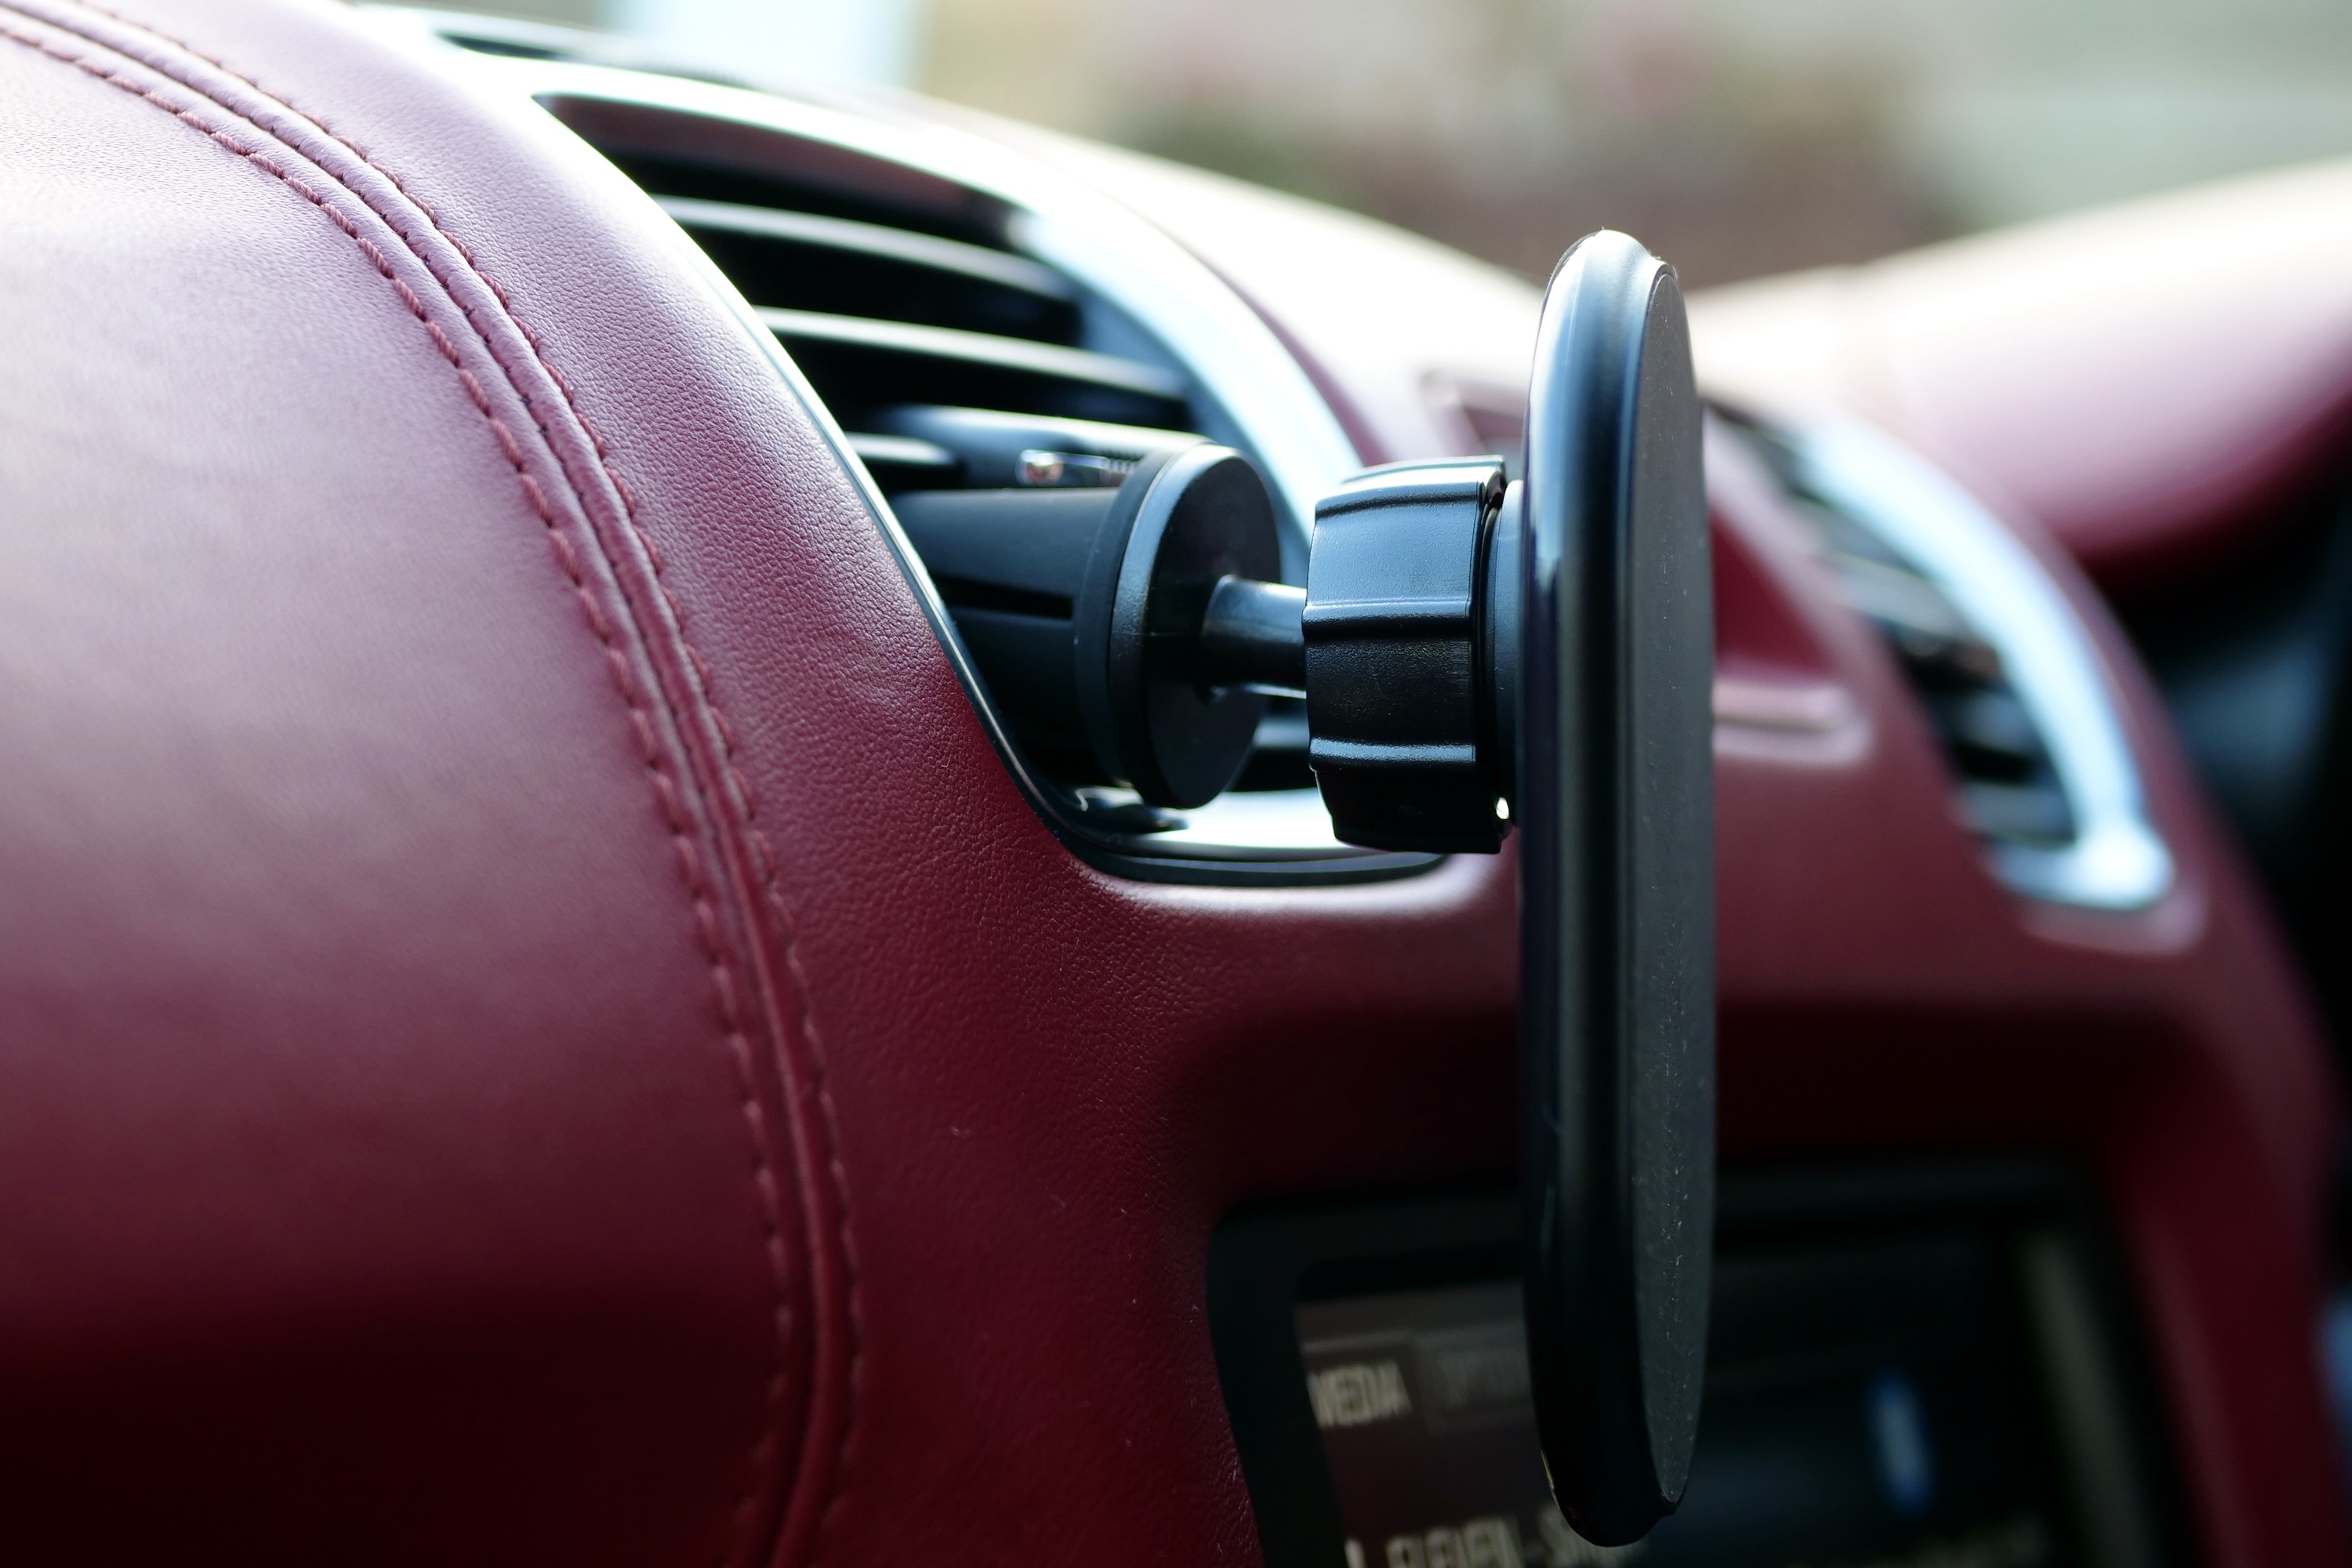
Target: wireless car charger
1475,656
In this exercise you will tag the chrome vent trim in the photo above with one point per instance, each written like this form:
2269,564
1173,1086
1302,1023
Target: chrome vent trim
1953,579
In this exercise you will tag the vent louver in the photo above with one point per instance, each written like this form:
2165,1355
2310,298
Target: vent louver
2006,783
2009,789
935,342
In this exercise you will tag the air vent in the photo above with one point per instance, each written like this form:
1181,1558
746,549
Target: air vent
952,359
2002,667
2009,787
906,320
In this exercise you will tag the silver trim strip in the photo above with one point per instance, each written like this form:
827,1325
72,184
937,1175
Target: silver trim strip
2117,861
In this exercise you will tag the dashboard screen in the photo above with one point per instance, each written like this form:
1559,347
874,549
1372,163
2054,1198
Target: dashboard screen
1872,1406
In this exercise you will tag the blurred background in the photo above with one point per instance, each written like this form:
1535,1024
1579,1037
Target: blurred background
1738,137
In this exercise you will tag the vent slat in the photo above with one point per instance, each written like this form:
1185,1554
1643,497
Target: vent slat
902,452
972,261
1018,355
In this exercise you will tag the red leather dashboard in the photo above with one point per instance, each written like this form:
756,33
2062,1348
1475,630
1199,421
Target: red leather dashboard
2185,356
536,1026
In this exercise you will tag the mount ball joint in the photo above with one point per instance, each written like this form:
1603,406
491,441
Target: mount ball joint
1476,658
1411,627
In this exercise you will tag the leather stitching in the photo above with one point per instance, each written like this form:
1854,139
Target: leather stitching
837,1174
745,800
698,885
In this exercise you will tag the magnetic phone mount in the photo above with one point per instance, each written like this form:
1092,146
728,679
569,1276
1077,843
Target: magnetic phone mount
1617,891
1473,657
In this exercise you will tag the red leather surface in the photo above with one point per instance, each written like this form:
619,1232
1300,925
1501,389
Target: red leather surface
498,1065
2149,382
393,1155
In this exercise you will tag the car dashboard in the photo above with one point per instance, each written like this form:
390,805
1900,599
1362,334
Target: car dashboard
568,999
